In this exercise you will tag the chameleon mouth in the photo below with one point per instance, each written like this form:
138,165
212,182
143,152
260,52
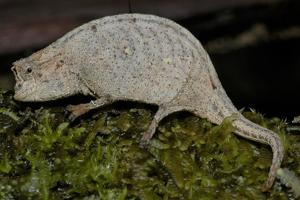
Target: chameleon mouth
21,95
24,91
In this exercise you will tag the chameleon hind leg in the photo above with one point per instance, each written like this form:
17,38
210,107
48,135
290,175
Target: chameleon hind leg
162,112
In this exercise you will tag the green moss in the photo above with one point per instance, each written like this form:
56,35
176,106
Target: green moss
44,156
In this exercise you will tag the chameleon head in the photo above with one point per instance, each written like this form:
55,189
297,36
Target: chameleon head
42,78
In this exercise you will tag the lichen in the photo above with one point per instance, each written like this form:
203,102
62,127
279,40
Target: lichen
45,156
289,179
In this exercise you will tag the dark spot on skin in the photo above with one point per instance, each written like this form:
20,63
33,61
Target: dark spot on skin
39,75
94,28
214,107
60,84
221,114
59,64
134,20
213,85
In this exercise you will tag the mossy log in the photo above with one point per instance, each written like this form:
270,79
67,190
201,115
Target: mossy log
45,156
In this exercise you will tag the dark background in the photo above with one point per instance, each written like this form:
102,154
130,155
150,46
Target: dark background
254,44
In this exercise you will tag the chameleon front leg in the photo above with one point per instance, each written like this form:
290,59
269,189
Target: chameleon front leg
80,109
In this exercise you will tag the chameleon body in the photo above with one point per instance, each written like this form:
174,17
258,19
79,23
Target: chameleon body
136,57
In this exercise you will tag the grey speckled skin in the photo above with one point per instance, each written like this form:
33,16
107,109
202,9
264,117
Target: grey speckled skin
141,58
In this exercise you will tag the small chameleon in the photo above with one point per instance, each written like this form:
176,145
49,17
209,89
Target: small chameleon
136,57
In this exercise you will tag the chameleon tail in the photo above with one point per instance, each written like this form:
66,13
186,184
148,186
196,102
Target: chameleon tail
252,131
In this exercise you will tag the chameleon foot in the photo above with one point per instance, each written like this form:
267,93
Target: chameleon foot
162,112
147,135
76,111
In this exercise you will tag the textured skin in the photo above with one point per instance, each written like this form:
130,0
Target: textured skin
141,58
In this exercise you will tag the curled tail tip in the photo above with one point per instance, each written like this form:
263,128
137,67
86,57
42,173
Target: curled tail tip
271,178
269,183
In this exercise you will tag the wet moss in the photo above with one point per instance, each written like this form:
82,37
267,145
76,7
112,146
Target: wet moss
45,156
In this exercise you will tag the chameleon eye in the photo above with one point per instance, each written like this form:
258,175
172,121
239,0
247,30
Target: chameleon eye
29,70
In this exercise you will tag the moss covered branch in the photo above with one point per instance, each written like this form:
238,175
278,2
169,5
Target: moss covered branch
44,156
